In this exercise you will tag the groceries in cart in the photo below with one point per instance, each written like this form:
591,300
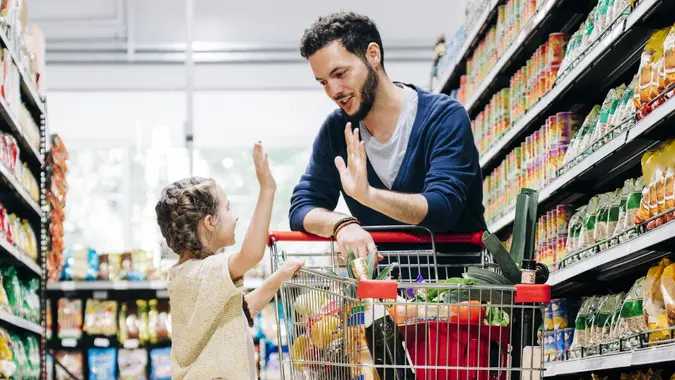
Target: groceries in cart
347,319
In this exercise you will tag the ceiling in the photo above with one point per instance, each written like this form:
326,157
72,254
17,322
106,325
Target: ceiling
155,30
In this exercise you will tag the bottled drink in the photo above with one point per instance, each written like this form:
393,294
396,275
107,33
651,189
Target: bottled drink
383,336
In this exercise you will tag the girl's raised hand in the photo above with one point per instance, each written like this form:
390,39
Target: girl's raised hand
262,168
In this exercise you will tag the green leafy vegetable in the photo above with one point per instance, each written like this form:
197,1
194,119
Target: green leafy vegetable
495,316
384,273
370,262
433,293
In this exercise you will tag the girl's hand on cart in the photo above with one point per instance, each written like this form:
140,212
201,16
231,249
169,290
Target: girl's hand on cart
289,268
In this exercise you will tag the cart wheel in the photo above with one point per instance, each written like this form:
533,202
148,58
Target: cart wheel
542,273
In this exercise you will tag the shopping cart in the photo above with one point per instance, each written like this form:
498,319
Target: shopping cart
425,328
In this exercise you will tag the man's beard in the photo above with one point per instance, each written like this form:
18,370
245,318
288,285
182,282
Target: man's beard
368,92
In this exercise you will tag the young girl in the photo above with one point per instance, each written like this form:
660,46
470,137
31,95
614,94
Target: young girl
210,317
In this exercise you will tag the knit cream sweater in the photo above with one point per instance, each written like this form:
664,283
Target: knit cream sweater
207,321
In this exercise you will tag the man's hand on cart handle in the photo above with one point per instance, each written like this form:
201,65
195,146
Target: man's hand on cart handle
359,241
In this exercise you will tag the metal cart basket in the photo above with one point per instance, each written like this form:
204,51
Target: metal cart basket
426,328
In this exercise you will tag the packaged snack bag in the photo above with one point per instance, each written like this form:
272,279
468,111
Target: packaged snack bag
668,291
160,364
132,364
588,230
615,211
600,230
653,304
669,57
669,162
102,363
651,53
645,211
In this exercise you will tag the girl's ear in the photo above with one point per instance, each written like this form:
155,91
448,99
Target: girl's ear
210,223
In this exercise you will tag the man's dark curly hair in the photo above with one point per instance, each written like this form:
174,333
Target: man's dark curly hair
353,30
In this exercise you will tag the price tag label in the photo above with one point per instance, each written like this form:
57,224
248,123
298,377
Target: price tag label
69,342
102,342
68,286
130,344
120,285
101,295
162,294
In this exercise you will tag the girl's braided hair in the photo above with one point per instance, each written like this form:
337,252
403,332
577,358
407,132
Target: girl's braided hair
180,208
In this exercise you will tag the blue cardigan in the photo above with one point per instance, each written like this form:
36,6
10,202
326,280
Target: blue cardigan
441,163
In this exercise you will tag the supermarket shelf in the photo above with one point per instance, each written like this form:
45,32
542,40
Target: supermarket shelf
26,84
20,256
17,130
619,146
534,23
594,60
452,73
73,286
658,354
614,260
70,286
21,193
21,323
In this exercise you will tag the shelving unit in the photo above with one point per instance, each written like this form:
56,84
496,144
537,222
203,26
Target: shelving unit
611,59
14,197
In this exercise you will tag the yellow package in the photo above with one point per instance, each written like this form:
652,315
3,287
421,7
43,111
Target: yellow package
669,161
669,57
668,291
643,213
653,304
651,53
660,181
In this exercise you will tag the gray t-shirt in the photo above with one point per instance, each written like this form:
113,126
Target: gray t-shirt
386,158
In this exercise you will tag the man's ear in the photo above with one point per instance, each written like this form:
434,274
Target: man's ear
374,55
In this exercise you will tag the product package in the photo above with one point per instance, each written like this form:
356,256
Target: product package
7,362
80,265
69,318
132,364
100,317
160,361
133,322
73,361
653,301
102,363
158,321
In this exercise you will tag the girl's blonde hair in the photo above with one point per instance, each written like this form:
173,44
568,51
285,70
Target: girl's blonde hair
181,206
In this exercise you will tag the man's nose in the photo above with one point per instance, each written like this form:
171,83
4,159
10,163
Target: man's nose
334,90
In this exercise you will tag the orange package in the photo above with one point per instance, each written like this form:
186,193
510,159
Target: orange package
669,57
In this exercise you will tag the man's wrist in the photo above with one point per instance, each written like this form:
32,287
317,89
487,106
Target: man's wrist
368,199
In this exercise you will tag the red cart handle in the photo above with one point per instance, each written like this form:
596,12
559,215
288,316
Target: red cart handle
475,238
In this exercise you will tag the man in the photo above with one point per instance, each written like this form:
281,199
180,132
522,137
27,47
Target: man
398,154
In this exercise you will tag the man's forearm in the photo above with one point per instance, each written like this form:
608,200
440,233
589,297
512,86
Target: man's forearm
406,208
320,221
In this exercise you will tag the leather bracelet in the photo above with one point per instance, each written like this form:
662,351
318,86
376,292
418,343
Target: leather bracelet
343,223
